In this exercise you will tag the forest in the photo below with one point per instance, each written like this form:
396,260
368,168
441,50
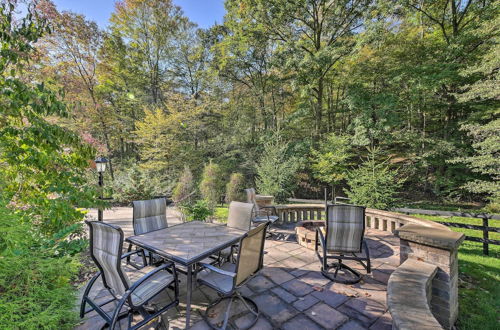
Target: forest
386,102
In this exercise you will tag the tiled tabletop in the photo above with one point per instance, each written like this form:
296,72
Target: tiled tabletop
188,242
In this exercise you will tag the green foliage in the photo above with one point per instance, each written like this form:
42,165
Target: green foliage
211,185
184,188
276,170
137,183
485,161
43,164
374,184
235,188
199,210
35,284
331,160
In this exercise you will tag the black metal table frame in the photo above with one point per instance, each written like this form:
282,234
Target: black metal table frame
188,264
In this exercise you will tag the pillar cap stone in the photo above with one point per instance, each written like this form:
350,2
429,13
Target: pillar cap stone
439,238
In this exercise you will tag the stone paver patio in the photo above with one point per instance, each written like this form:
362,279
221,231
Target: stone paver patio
292,294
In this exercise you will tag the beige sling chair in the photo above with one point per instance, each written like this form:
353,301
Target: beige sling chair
343,240
232,276
106,244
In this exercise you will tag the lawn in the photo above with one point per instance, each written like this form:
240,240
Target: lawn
479,277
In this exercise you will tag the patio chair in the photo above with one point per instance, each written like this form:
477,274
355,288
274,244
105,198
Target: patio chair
106,244
239,217
232,276
147,216
343,240
261,213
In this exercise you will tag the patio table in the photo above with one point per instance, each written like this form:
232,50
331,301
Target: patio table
188,243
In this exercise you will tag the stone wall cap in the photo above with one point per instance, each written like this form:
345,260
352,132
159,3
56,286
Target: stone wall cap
439,238
407,296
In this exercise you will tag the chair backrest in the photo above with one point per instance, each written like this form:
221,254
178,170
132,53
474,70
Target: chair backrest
149,215
251,253
240,215
345,227
106,243
252,198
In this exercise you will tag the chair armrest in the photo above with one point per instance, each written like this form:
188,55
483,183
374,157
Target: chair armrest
151,273
128,254
217,270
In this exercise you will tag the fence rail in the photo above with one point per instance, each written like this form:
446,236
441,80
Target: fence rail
485,228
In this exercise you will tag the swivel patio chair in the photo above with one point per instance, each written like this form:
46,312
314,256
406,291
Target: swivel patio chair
106,244
343,240
232,276
147,216
261,213
239,217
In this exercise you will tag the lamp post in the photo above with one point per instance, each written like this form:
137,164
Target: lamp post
100,165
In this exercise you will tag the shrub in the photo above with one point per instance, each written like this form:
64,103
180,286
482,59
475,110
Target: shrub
200,210
35,287
138,183
276,170
373,184
184,187
211,185
235,187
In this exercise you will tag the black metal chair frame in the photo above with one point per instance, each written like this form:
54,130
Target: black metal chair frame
126,299
235,293
339,265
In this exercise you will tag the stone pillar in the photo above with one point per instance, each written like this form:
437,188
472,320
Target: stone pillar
438,247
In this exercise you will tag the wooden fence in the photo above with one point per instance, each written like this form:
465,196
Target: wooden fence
485,228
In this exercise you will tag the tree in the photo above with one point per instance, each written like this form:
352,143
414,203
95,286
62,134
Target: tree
373,183
42,164
149,26
485,161
332,159
211,185
234,188
313,35
276,169
185,186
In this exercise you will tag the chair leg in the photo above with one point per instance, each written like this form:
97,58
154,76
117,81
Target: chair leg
340,266
247,302
86,293
368,261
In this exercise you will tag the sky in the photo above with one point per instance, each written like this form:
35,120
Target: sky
203,12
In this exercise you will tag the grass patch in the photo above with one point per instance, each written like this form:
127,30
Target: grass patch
221,213
479,275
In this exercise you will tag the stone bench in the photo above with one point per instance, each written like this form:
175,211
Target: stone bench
409,292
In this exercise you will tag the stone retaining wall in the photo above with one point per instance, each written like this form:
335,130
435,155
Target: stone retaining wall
424,245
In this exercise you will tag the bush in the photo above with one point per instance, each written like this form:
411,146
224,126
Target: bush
373,183
137,183
184,187
235,188
211,185
200,210
35,287
276,170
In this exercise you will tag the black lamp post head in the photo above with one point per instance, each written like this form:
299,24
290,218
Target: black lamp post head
100,164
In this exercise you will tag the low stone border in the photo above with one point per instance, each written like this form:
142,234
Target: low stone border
409,292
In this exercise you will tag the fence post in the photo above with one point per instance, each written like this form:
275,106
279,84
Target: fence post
485,236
